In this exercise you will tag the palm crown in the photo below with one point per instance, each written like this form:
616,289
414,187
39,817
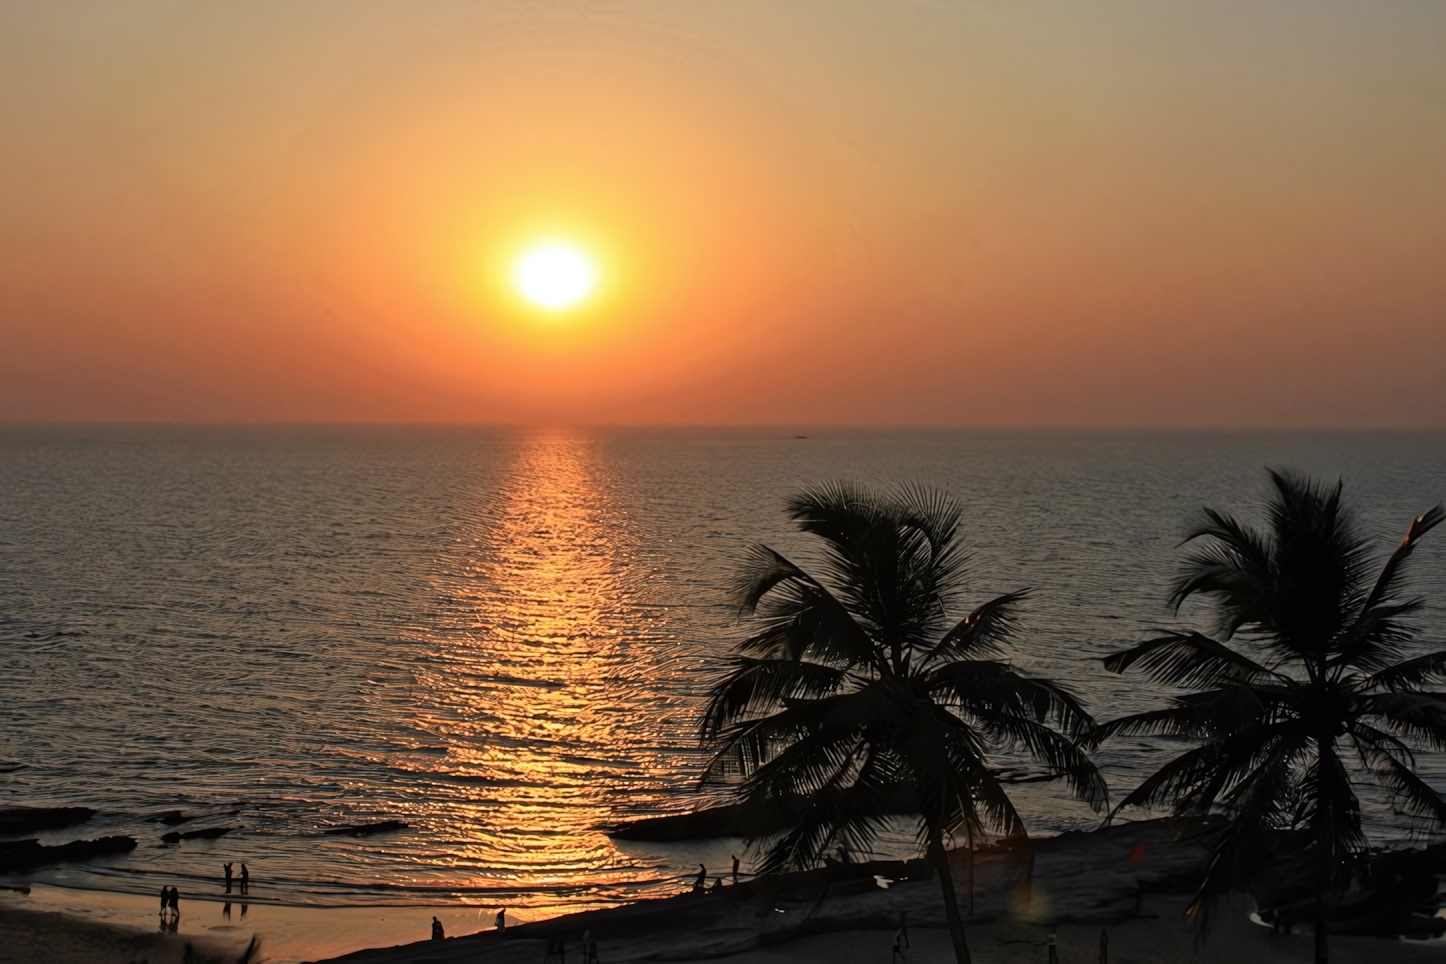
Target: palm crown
858,690
1318,676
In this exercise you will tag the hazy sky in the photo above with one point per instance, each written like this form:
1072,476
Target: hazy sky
833,211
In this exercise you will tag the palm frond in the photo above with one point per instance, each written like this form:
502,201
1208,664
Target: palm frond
1416,716
1203,716
1235,567
1418,798
1062,755
1368,642
757,686
1410,673
1388,583
985,688
982,632
1189,660
760,570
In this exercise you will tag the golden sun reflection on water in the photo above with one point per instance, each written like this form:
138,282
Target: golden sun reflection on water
537,685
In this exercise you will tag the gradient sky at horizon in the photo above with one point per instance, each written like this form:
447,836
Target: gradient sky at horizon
861,212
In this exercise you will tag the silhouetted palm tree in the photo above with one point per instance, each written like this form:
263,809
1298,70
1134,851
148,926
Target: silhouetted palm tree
1317,678
858,690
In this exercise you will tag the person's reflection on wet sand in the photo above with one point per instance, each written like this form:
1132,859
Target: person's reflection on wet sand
244,908
226,910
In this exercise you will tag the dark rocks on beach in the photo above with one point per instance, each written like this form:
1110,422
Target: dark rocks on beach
713,822
735,820
210,833
366,829
1395,893
23,855
18,820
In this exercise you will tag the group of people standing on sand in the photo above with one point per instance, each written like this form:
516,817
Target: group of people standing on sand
245,878
700,885
171,899
170,908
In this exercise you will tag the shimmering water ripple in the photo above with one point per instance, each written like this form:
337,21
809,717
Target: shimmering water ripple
502,638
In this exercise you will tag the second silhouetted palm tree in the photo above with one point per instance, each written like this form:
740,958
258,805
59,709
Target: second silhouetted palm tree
1317,677
859,690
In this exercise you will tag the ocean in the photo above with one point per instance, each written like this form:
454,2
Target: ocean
504,637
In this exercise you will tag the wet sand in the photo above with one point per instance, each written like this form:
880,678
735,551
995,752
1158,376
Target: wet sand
47,937
288,933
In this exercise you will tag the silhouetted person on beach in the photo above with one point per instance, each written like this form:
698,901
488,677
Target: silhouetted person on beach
245,880
735,871
176,903
228,877
437,933
701,884
165,900
502,920
1053,949
1104,946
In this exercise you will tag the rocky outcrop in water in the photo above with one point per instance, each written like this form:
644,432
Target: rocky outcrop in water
18,820
170,818
713,822
23,855
210,833
366,829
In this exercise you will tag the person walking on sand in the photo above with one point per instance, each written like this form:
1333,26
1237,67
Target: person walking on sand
165,900
176,903
701,884
1053,948
502,920
227,868
245,880
437,933
735,870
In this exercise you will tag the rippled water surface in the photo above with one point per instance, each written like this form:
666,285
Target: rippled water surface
502,638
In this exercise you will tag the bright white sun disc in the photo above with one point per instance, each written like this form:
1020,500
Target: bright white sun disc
554,275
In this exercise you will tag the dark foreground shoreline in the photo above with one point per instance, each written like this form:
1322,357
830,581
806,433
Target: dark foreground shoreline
1134,877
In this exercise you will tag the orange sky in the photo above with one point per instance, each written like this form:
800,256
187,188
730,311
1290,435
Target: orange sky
957,212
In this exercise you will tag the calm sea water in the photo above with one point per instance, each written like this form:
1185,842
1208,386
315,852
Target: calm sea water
503,638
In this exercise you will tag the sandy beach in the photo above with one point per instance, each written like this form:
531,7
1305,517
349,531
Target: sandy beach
1129,881
1157,936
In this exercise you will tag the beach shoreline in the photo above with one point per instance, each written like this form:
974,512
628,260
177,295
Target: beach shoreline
1131,881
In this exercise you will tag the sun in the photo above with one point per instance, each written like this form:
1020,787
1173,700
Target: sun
555,275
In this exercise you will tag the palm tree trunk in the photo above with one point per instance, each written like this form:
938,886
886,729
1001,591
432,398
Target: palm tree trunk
951,899
1325,872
